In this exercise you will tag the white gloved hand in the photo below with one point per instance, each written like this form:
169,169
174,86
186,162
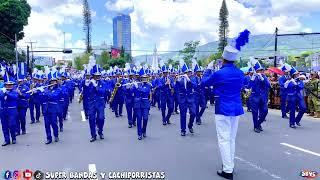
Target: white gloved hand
261,77
41,89
246,90
187,77
293,81
87,83
135,84
287,83
94,83
253,77
4,90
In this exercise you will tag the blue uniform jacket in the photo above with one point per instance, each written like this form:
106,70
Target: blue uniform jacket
141,96
227,83
53,96
24,97
283,90
186,95
260,88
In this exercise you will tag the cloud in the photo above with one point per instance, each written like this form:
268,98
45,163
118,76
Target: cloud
119,5
170,23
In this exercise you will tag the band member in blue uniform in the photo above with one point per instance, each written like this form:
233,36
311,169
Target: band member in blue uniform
96,103
200,98
283,92
118,100
35,99
9,97
295,99
129,97
247,89
166,86
227,83
85,92
53,94
186,88
260,87
23,103
142,100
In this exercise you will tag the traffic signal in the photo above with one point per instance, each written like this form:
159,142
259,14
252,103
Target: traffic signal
67,51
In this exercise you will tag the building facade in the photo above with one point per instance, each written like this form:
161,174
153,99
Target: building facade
122,32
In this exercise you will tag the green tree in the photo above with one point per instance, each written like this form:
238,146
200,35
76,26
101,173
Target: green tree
224,26
174,63
14,16
81,60
87,25
189,50
104,60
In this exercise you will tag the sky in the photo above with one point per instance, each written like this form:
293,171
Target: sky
164,23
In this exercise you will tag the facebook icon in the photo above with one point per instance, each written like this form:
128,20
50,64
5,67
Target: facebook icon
7,175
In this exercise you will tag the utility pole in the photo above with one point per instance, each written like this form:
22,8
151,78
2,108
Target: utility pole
294,34
275,48
28,68
31,43
17,57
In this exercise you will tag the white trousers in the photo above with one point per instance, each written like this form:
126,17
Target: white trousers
227,127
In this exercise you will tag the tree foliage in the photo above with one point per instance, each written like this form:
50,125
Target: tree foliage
224,26
14,16
189,51
87,25
174,63
81,60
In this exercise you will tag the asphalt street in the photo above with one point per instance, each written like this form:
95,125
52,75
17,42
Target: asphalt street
279,152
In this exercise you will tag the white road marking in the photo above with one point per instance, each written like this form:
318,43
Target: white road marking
93,168
83,116
300,149
257,167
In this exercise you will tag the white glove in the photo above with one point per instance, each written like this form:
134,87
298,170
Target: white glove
246,90
261,77
95,84
187,77
87,82
41,89
253,77
287,83
4,90
135,84
293,81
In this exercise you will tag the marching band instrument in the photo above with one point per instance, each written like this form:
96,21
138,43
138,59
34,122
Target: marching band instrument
80,98
115,90
38,88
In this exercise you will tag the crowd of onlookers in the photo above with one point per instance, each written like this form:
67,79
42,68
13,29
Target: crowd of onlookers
311,92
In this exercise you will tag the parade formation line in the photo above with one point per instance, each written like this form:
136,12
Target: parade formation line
300,149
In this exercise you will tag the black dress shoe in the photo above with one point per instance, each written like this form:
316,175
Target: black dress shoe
120,114
5,144
191,130
225,175
61,129
144,135
164,123
183,133
130,126
101,136
260,128
93,139
32,122
285,117
298,124
37,121
49,142
198,123
293,126
256,130
139,137
56,139
14,141
24,132
117,115
17,134
168,122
